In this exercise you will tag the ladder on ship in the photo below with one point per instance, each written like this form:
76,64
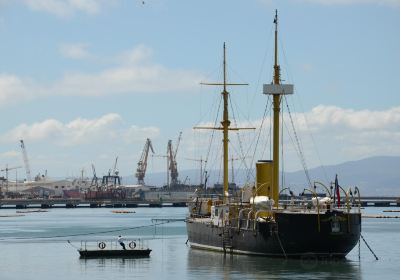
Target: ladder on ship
226,240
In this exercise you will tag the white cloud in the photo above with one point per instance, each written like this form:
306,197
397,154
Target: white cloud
10,154
346,134
35,131
329,117
139,54
136,133
135,73
328,133
74,51
109,127
65,8
14,89
149,78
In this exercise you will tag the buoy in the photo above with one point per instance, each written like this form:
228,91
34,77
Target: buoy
102,245
132,245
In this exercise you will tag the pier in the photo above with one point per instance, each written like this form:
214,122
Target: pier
380,201
44,203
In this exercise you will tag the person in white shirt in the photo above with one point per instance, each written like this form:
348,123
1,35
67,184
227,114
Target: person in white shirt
121,242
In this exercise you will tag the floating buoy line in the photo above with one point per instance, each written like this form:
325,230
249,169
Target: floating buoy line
162,222
381,216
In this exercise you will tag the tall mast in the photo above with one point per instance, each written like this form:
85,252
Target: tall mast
276,89
277,109
277,70
225,124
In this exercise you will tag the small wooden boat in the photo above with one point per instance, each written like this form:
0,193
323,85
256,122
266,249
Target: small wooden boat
122,212
110,249
31,211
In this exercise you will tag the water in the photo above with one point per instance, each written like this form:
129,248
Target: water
25,255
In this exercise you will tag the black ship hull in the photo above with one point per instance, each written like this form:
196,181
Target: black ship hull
332,234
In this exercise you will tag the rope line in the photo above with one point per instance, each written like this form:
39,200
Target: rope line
267,109
280,244
212,135
368,247
302,157
84,234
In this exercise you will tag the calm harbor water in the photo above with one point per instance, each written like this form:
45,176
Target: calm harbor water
25,254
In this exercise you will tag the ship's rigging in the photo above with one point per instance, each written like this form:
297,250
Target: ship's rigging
257,221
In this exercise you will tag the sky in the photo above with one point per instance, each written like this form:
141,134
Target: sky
85,81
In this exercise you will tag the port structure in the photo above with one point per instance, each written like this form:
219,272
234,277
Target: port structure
142,164
94,182
172,163
26,162
7,169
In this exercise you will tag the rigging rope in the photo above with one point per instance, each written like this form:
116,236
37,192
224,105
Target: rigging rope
85,234
288,72
267,50
242,154
212,135
300,150
259,135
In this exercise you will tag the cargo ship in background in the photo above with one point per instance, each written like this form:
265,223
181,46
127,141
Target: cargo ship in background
257,222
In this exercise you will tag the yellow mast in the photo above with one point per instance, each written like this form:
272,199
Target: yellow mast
277,109
276,89
225,126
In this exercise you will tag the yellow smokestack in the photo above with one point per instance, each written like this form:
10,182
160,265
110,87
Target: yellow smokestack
264,180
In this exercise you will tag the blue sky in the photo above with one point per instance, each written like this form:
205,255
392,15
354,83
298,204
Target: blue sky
84,81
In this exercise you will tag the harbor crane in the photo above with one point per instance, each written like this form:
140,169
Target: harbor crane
114,171
94,179
26,162
113,177
172,163
142,164
9,169
201,160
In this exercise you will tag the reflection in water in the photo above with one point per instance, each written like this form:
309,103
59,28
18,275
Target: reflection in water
228,266
115,263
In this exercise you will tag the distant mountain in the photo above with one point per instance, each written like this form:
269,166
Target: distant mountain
373,176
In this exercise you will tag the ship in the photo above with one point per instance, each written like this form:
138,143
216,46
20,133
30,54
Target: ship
258,222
